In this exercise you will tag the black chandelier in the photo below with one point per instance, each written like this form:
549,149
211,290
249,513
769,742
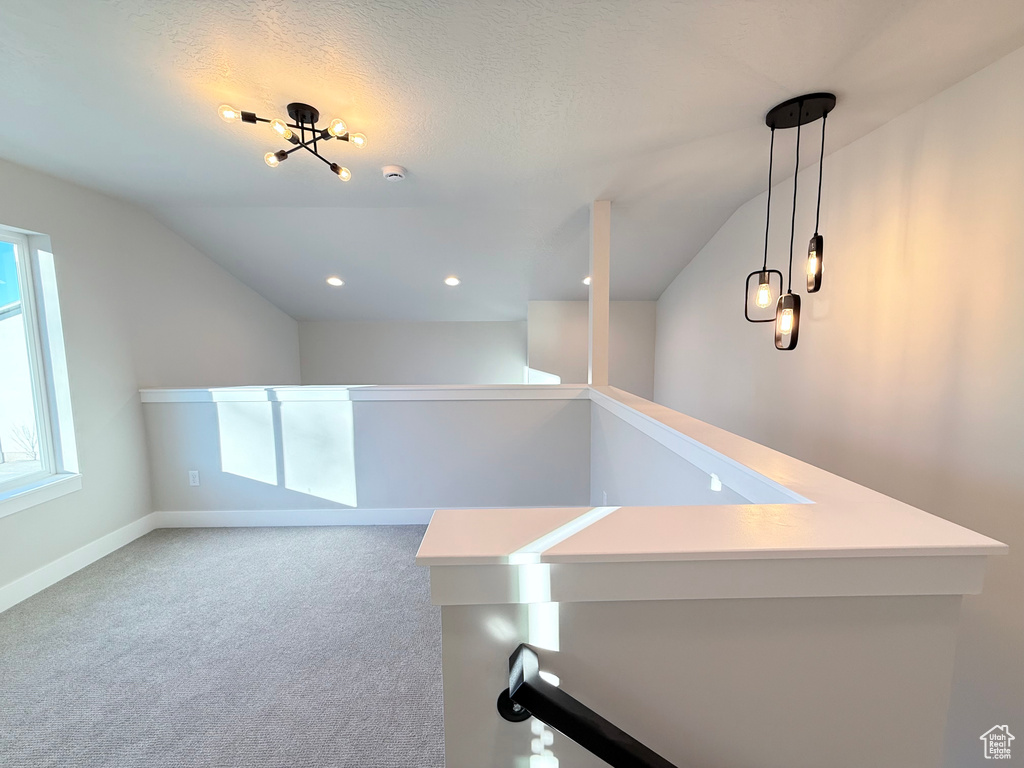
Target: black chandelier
793,113
309,135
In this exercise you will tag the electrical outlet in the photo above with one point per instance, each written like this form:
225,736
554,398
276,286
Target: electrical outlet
193,477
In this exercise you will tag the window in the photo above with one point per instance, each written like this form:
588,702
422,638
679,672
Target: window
37,453
24,430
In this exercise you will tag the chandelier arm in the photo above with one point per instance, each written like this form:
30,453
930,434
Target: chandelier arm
314,154
305,145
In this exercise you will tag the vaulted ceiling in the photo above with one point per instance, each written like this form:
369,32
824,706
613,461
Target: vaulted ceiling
510,117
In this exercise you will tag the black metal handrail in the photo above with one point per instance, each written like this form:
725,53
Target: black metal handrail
530,694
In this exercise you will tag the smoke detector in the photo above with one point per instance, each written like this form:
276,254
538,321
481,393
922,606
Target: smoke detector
393,172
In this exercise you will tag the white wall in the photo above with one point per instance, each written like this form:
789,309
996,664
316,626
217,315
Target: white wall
557,342
631,346
556,339
335,352
140,307
279,453
909,375
370,455
627,467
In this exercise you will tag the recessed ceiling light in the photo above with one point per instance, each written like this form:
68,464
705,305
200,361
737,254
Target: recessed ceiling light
586,280
452,280
335,281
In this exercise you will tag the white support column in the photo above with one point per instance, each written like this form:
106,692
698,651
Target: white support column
600,257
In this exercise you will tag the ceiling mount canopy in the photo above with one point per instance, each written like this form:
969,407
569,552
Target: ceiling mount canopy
309,135
303,113
800,110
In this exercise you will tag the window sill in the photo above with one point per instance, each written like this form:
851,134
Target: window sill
38,492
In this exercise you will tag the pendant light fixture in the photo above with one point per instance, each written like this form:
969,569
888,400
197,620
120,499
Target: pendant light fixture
762,295
794,113
309,135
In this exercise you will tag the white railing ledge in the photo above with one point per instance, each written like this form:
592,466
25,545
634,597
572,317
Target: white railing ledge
363,392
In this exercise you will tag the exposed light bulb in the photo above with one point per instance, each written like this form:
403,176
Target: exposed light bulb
228,113
273,159
586,280
278,126
357,140
337,127
343,173
335,281
814,255
786,322
764,295
452,280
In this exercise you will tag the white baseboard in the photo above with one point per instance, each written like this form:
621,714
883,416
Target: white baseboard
253,518
62,567
28,585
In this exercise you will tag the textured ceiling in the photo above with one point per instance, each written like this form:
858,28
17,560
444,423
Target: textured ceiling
510,116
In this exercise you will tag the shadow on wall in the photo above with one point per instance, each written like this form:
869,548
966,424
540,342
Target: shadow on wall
307,450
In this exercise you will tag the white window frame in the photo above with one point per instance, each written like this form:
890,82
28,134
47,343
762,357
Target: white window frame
40,311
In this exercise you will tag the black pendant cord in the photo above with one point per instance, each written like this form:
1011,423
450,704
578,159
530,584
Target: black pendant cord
768,213
821,164
792,226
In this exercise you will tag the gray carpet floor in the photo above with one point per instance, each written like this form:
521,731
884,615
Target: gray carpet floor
229,647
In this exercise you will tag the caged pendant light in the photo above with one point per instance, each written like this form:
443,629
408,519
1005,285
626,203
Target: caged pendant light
762,295
794,113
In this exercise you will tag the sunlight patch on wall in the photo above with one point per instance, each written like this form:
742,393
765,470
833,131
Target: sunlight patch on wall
533,376
247,440
318,445
542,614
